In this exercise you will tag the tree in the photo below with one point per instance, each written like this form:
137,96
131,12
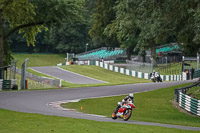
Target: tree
124,27
70,38
184,17
10,12
103,15
29,18
141,24
153,23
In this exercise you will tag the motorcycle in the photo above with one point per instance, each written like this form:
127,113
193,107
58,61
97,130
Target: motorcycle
155,77
124,111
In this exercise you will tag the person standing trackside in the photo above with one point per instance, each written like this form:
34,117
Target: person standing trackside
192,73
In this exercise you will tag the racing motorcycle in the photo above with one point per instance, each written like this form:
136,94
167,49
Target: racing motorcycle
124,111
155,77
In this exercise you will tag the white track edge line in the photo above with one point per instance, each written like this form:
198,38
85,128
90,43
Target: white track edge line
80,74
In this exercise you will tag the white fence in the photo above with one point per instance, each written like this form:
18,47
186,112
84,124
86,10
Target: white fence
138,74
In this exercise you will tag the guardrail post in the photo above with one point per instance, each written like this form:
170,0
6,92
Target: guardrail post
176,96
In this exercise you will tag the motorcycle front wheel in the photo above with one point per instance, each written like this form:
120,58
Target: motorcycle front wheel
114,116
127,114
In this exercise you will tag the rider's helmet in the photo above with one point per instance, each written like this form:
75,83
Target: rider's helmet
131,95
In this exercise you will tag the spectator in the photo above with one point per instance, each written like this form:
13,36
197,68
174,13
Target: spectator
192,73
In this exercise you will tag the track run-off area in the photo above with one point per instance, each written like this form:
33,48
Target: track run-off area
68,76
41,101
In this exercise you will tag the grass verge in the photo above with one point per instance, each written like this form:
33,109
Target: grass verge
194,92
174,68
39,59
98,73
113,78
153,106
39,74
16,122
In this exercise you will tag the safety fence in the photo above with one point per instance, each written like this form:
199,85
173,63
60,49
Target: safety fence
197,74
43,80
186,102
135,73
190,104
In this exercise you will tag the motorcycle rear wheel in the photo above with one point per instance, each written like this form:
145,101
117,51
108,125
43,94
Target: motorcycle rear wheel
127,114
114,116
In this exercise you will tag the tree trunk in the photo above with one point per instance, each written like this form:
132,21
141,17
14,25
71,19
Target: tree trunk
128,53
144,56
153,53
1,40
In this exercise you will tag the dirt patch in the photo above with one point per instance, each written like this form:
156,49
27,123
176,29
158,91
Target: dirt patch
176,105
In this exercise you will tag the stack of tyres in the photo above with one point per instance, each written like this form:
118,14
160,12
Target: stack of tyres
6,85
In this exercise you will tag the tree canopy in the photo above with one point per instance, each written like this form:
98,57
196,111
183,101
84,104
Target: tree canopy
67,25
144,24
30,17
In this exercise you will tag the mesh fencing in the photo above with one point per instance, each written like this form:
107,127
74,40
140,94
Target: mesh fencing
39,81
139,66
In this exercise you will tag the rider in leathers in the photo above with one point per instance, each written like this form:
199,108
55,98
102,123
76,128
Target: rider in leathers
127,99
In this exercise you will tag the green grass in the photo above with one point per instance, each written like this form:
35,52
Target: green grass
39,59
152,106
16,122
194,92
113,78
32,84
171,68
174,68
39,74
64,83
97,73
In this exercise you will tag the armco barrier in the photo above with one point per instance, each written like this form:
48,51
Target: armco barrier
190,104
135,73
186,102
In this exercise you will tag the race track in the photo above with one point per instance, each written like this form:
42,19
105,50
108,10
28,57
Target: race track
68,76
40,101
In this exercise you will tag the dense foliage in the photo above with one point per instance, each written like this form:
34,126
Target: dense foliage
29,17
60,26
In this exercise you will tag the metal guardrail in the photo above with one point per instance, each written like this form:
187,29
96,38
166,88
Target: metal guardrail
190,104
186,102
48,81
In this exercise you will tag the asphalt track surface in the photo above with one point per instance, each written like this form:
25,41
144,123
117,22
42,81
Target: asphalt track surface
40,101
68,76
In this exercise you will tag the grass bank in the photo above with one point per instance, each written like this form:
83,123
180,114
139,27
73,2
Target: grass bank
39,59
194,92
113,78
16,122
174,68
153,106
